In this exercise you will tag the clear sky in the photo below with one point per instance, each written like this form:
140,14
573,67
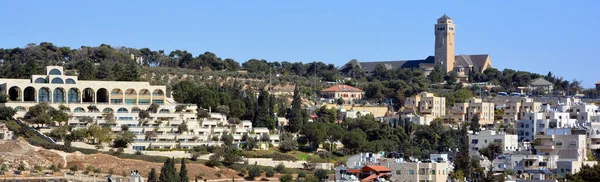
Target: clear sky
537,36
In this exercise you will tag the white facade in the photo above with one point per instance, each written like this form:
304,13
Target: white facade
532,124
124,99
484,138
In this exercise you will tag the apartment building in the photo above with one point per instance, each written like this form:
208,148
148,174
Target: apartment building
118,103
566,146
532,124
473,107
484,138
436,169
427,104
516,108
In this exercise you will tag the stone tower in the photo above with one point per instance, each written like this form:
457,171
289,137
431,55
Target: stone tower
444,43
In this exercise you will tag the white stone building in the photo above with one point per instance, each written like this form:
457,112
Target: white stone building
124,99
484,138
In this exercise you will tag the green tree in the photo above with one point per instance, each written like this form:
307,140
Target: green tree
269,172
227,139
287,142
59,133
183,172
286,178
280,168
354,140
123,139
451,78
152,176
437,75
462,158
168,171
492,150
264,115
295,117
7,113
474,124
254,172
314,133
321,174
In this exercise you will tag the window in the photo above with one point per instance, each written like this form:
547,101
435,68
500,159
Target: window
559,142
474,141
572,143
432,172
398,172
411,172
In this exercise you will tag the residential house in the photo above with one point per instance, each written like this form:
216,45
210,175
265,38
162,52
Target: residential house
484,138
346,92
461,112
515,109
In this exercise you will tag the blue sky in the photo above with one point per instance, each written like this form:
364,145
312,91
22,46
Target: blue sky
537,36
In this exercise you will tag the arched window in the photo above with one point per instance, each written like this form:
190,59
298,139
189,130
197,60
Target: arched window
70,81
135,110
55,72
57,80
40,80
44,95
14,93
79,109
73,95
20,109
122,110
59,95
29,94
559,142
108,109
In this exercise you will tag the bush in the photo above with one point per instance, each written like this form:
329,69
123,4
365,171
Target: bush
280,168
37,168
138,152
301,174
269,172
21,167
54,168
254,172
321,174
74,168
195,156
286,178
219,173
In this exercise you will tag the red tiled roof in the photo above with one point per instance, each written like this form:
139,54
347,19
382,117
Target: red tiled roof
342,88
312,116
598,83
354,171
378,168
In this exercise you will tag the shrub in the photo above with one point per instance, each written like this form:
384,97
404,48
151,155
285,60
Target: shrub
269,172
74,168
37,168
195,156
254,172
286,178
98,170
280,168
138,152
219,173
54,168
21,167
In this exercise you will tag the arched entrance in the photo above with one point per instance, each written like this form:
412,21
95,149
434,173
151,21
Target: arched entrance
59,95
29,94
44,95
102,96
14,93
130,96
88,95
74,95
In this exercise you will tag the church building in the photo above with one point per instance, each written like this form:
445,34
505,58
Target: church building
444,56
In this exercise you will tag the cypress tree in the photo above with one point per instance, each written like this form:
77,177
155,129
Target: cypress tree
295,116
183,172
173,171
264,113
462,159
152,177
164,171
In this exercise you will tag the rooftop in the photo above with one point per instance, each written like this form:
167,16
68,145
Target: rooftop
342,88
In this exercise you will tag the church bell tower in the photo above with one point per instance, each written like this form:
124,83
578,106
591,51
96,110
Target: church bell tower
444,43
